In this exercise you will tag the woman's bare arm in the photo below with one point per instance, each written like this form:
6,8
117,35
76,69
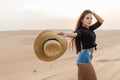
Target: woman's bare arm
71,35
98,18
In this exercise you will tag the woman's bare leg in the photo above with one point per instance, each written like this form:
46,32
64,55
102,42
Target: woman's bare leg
80,76
86,72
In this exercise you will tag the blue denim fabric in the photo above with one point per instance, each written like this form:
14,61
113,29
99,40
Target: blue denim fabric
84,57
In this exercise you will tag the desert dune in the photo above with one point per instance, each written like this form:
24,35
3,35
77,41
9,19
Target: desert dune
19,62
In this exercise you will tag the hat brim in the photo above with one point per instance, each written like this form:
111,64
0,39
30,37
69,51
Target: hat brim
44,36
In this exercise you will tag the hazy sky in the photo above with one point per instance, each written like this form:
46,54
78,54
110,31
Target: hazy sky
50,14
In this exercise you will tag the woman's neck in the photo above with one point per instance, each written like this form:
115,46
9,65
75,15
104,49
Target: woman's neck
85,26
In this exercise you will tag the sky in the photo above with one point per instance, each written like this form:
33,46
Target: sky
55,14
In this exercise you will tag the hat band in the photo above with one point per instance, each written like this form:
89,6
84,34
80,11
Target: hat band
48,40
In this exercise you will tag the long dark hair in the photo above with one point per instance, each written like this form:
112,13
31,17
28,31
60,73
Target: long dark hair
77,41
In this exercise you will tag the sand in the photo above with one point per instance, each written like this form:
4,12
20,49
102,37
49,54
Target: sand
19,62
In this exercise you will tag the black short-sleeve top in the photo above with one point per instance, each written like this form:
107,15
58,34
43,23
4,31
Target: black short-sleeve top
87,35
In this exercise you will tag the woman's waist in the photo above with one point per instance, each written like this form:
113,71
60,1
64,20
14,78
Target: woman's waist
90,49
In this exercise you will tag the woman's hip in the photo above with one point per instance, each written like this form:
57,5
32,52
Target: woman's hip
84,57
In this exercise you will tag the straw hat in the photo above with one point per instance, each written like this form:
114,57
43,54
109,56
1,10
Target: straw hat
49,46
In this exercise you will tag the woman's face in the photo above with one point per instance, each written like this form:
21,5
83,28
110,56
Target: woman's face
87,20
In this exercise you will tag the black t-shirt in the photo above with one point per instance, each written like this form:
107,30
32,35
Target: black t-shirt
87,36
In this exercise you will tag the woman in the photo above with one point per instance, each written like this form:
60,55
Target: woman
84,38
